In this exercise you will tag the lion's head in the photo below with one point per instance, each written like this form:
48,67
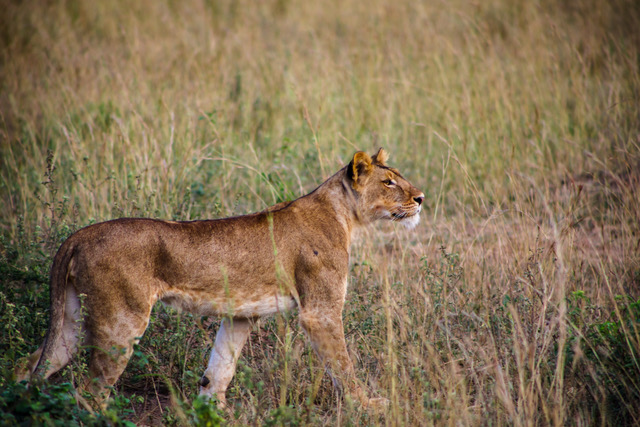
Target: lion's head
382,193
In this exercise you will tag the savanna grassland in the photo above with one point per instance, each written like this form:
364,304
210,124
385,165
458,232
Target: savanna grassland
516,300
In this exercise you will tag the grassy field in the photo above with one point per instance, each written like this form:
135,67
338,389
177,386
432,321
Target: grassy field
516,301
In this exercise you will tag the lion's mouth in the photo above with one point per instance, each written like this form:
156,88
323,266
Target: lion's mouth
408,219
400,215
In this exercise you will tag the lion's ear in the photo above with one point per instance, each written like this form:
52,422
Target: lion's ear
381,157
360,165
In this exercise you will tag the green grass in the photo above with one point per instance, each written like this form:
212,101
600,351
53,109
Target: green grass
514,302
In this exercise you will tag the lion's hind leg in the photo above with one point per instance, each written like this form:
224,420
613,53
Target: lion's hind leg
111,345
231,337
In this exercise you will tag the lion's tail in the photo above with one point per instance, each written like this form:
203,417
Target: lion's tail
58,295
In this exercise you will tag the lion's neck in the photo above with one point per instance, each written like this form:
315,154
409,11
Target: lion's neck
335,200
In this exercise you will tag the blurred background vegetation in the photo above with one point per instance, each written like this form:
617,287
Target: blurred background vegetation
516,300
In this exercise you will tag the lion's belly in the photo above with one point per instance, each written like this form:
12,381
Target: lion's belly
254,305
264,306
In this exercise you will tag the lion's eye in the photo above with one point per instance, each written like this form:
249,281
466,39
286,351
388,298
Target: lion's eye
389,182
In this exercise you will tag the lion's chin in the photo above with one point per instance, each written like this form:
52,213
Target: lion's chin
410,222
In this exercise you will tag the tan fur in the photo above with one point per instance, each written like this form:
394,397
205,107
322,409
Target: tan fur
292,254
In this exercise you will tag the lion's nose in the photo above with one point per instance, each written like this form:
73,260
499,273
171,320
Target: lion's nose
419,199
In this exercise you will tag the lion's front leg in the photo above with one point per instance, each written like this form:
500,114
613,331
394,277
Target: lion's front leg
231,337
326,333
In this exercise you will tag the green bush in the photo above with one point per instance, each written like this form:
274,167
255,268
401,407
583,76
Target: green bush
51,405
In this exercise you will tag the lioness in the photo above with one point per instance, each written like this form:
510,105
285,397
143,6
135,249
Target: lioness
294,254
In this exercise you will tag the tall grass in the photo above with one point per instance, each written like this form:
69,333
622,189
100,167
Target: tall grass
515,301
